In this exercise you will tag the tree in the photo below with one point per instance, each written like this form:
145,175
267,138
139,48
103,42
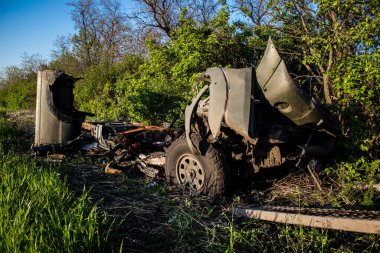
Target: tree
203,11
18,84
114,31
163,16
103,33
257,11
86,42
321,29
64,58
356,71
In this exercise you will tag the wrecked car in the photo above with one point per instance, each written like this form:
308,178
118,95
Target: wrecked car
247,120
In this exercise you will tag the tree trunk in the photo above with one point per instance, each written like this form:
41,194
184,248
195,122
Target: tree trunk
326,88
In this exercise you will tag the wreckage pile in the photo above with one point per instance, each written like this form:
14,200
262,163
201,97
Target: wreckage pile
61,130
129,144
122,144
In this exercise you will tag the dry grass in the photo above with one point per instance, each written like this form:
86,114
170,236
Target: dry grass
301,189
24,119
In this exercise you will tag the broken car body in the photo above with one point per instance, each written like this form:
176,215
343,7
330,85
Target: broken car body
57,121
250,120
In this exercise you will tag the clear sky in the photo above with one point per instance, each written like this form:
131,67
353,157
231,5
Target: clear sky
31,26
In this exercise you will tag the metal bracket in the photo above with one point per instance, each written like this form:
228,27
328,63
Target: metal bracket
188,115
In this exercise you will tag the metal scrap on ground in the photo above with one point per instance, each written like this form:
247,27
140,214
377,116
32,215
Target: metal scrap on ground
130,144
60,129
345,220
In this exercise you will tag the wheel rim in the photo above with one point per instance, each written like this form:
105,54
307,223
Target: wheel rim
190,172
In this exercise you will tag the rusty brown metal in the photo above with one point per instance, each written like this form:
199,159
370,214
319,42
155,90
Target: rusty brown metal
143,128
88,126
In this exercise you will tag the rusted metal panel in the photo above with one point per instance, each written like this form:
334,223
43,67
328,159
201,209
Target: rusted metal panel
281,91
57,122
218,100
143,128
238,110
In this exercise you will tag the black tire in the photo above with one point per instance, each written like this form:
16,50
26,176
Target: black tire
207,173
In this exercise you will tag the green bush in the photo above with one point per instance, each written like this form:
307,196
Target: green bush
356,180
359,104
99,93
20,94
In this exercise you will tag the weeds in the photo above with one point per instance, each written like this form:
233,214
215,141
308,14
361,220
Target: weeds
39,213
11,137
7,130
355,180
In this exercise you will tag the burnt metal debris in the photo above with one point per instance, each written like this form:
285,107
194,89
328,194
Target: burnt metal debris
61,129
57,121
130,144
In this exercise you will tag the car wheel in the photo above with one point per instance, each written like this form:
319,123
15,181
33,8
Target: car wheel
207,173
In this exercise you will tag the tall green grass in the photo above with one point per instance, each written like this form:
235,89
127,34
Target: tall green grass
38,213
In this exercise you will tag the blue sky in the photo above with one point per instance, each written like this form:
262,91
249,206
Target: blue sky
31,26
